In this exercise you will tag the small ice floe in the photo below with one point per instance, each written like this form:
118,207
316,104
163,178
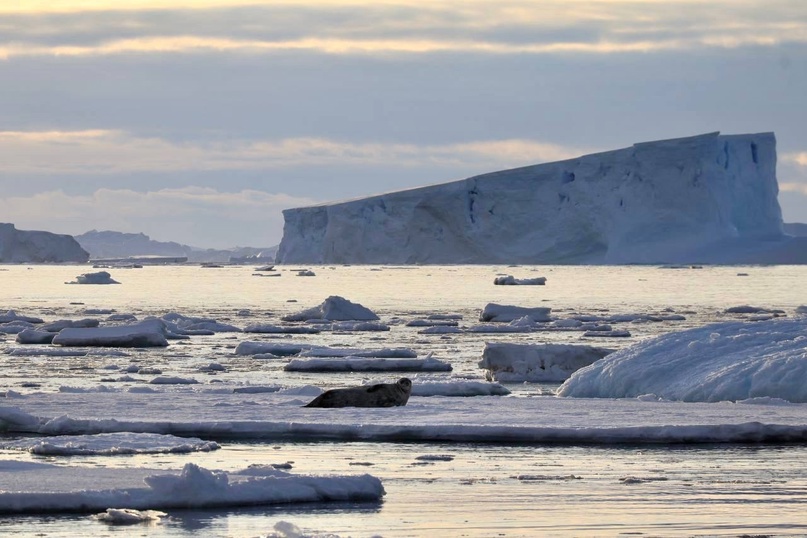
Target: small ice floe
445,316
802,309
11,316
547,363
334,308
510,280
432,323
101,277
268,328
256,389
173,380
491,328
97,311
46,352
385,353
722,361
56,326
306,272
607,334
110,444
361,364
748,309
195,325
279,349
359,326
51,488
127,516
265,268
147,333
505,313
15,327
34,336
441,330
213,367
121,317
458,388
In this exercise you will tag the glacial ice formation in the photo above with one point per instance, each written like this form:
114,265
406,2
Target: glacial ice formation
21,246
709,198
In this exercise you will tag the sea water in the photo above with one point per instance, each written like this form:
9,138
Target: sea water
457,489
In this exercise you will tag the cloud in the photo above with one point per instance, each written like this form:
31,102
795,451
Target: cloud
196,216
510,27
93,152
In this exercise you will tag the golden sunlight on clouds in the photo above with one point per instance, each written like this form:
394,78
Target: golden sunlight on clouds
401,26
104,152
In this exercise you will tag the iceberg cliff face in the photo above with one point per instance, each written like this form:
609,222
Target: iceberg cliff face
668,201
19,246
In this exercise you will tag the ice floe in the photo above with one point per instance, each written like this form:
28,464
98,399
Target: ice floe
507,362
335,308
722,361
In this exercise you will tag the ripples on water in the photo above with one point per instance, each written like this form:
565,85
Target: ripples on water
480,490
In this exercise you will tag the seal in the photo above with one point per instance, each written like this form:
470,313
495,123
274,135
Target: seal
380,395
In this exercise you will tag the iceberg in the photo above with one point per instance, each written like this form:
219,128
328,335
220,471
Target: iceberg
21,246
707,198
728,361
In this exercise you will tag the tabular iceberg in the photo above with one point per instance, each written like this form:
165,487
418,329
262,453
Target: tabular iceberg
706,198
21,246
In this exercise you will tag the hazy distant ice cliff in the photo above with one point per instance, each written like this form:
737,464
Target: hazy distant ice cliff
19,246
706,198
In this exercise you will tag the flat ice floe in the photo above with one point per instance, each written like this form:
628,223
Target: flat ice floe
279,415
509,362
38,487
722,361
365,364
109,444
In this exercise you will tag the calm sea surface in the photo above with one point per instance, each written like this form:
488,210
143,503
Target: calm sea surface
485,490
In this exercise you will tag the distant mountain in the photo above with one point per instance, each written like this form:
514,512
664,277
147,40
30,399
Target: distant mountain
109,244
21,246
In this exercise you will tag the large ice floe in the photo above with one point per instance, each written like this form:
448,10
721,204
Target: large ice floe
708,198
723,361
40,487
508,362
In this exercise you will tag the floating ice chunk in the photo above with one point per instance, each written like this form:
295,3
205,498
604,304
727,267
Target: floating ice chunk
172,380
121,317
15,327
46,351
600,333
110,444
268,328
491,328
101,277
335,308
722,361
280,349
441,330
432,323
362,364
67,488
510,280
355,326
504,313
11,315
127,516
147,333
33,336
802,309
387,353
458,388
56,326
537,362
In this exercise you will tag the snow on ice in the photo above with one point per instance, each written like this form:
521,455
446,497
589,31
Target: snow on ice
507,362
722,361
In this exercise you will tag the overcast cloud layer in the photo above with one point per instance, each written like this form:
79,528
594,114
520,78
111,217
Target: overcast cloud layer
199,121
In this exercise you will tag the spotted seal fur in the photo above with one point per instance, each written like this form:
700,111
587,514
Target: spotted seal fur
380,395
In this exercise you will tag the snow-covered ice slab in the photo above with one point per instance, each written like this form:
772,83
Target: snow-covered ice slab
109,444
383,353
506,313
38,487
457,388
721,361
510,363
335,308
149,333
365,364
540,419
510,280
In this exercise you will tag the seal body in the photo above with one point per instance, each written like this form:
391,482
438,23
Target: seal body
380,395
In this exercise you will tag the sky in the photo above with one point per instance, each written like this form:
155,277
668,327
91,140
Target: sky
199,121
